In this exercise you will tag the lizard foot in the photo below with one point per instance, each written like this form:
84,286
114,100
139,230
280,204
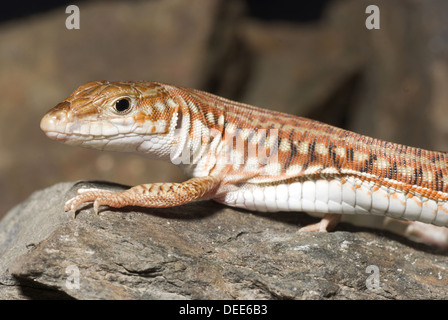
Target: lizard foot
327,223
97,196
419,232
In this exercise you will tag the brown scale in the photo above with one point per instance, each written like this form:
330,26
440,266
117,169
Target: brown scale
305,130
296,130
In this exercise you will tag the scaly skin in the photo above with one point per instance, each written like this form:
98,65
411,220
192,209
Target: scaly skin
249,157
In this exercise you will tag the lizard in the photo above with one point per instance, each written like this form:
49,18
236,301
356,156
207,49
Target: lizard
253,158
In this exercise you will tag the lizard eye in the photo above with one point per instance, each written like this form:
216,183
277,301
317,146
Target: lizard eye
122,105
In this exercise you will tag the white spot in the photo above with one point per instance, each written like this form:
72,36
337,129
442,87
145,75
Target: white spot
193,107
294,170
210,117
273,169
303,147
159,106
340,151
230,130
221,119
170,102
381,164
428,176
285,146
321,149
360,156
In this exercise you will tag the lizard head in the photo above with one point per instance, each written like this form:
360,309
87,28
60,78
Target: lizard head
125,116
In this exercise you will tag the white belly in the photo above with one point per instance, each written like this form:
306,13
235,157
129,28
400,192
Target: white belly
354,196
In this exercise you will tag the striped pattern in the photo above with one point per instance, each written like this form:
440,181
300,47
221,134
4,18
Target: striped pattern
263,160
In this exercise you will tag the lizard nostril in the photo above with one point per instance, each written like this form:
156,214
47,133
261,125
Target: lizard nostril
64,105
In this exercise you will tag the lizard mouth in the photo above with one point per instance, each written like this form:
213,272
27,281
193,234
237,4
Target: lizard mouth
89,134
119,134
62,124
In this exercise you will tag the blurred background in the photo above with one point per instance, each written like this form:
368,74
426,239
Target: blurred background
315,59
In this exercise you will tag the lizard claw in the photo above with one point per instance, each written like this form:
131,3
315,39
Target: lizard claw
87,195
71,206
96,206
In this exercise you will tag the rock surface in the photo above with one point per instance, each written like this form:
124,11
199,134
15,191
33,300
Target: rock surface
202,251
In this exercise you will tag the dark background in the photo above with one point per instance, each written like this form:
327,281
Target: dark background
314,59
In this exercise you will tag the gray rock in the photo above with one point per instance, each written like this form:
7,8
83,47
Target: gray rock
201,251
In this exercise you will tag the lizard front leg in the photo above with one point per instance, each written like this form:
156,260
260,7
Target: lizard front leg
154,195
